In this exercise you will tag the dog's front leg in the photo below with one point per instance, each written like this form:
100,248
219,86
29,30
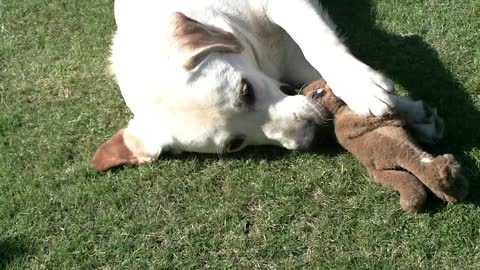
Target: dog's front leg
362,88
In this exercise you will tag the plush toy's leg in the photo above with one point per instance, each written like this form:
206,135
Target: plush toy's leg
412,192
442,176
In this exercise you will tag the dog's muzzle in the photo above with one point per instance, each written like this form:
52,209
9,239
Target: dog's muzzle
315,131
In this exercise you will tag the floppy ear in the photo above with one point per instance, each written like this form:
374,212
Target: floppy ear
198,40
113,153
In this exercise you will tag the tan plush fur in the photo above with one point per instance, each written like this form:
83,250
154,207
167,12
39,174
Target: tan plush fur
392,159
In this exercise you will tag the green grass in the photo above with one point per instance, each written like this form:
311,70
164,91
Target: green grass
262,208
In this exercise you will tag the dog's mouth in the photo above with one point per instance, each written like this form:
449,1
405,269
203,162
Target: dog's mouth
324,127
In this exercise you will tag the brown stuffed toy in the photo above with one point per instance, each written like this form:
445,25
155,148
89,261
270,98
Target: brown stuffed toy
392,159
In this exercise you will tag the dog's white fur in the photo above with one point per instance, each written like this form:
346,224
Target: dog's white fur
178,107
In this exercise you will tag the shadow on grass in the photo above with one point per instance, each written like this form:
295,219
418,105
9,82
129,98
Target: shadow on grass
413,63
328,148
11,249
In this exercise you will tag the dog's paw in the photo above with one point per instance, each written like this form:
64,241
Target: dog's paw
364,90
427,127
424,123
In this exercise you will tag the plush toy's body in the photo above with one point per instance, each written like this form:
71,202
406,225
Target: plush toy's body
383,145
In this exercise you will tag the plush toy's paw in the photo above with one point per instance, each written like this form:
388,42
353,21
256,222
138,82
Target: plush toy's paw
412,192
451,185
414,200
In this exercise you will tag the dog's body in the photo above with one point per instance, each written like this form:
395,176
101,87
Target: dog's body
207,76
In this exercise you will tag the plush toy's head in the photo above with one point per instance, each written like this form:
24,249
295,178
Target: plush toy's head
323,94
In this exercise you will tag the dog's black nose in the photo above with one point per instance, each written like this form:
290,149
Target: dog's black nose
313,133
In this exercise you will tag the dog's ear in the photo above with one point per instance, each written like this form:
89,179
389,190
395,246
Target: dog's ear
197,40
113,153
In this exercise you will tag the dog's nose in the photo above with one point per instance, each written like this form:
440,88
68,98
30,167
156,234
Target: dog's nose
313,133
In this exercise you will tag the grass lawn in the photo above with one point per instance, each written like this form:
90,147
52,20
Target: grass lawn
262,208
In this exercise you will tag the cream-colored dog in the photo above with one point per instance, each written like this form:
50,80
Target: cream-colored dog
209,76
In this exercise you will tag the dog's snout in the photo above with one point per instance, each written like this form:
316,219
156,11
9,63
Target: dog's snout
313,133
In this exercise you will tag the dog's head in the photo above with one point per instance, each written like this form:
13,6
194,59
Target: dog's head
214,99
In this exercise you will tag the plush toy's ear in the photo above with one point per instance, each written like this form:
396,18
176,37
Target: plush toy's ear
197,40
113,153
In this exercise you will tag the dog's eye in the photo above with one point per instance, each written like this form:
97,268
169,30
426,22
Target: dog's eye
246,93
236,143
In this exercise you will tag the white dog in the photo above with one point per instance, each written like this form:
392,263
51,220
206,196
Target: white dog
208,75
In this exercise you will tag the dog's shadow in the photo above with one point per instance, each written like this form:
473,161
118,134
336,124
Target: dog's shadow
327,148
415,65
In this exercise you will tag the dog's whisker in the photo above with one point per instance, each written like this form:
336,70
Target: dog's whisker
221,149
301,88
